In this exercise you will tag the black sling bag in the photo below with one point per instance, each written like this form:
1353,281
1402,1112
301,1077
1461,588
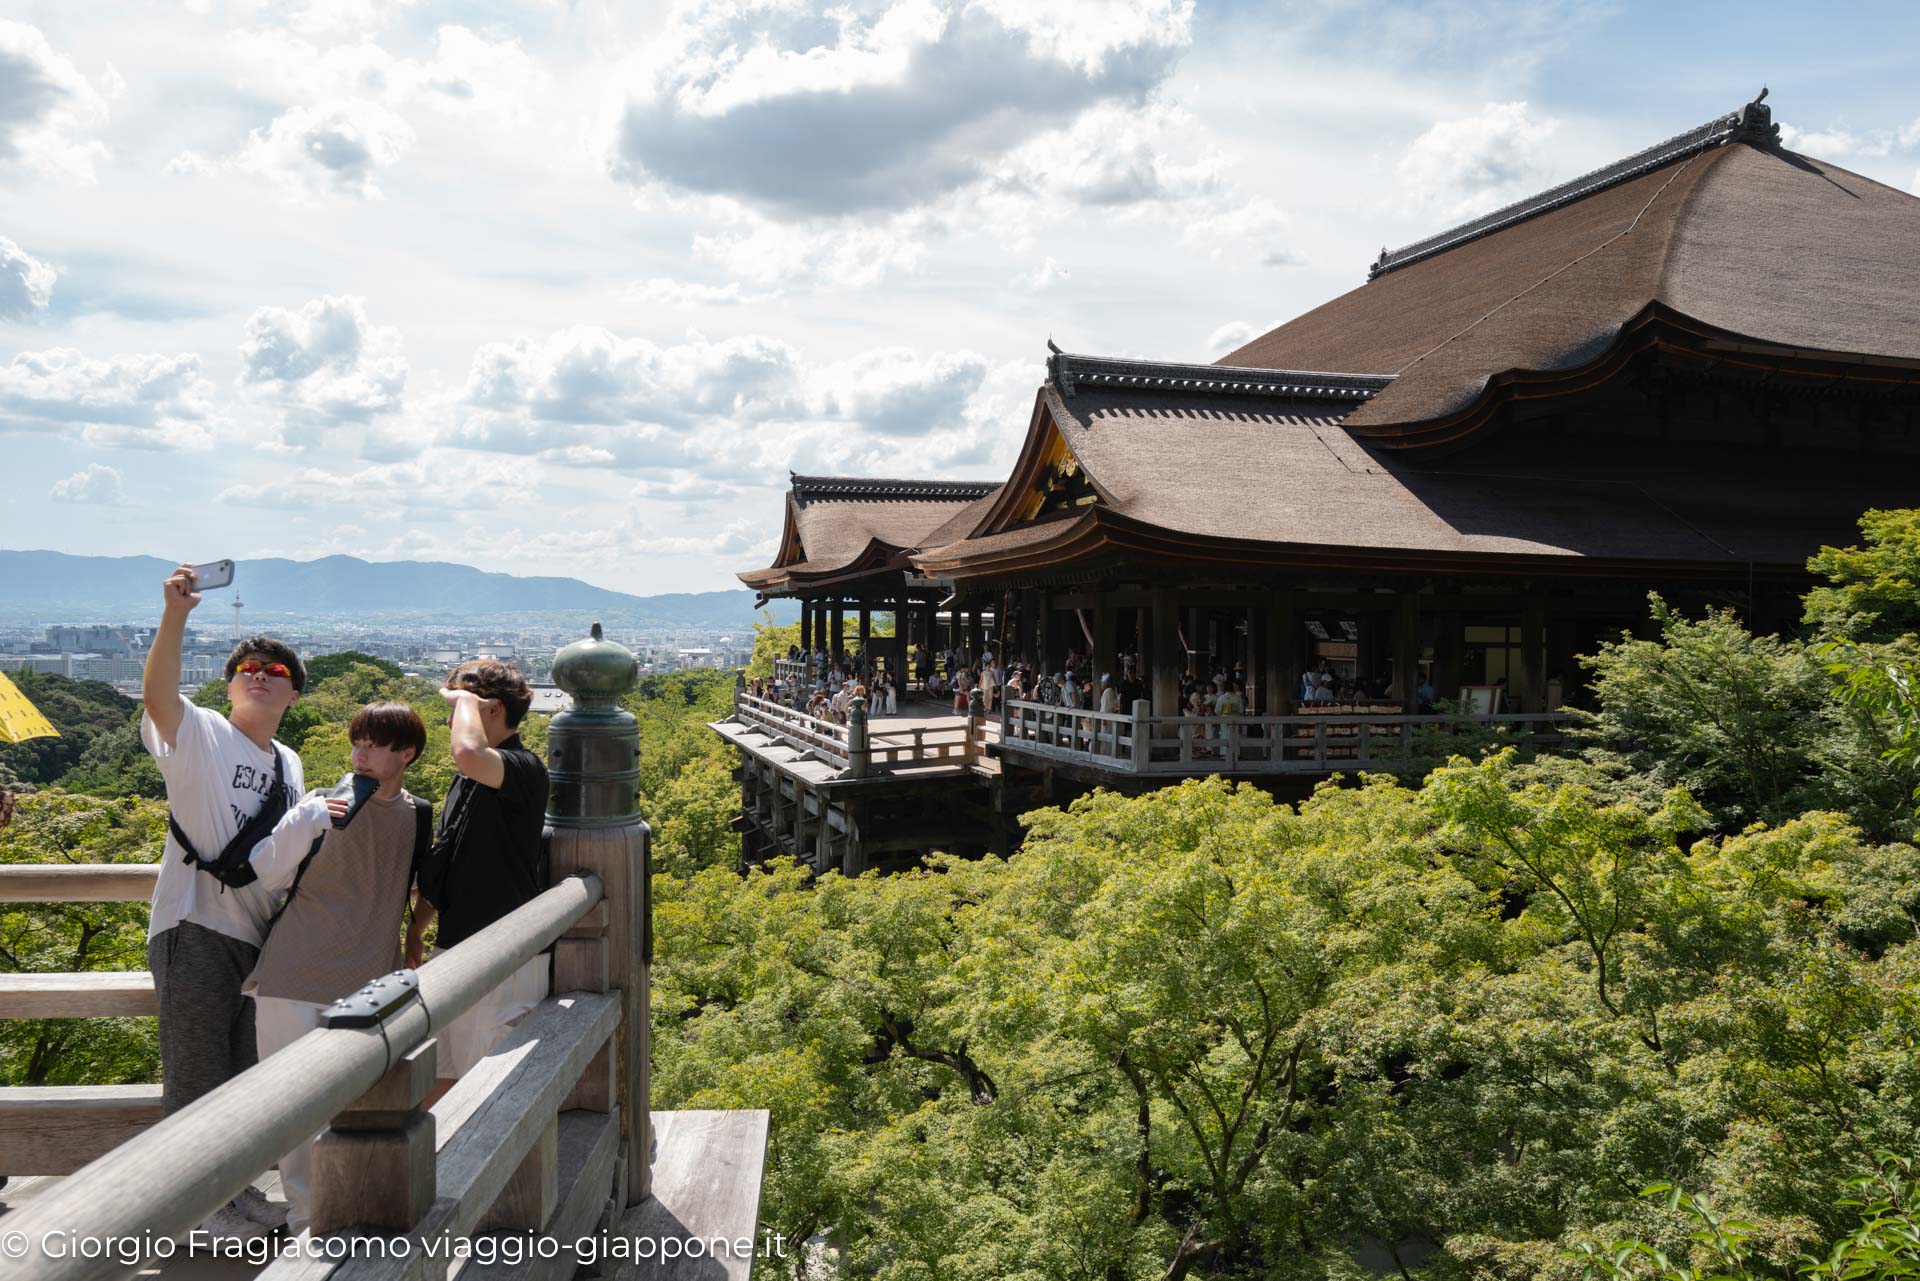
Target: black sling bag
234,867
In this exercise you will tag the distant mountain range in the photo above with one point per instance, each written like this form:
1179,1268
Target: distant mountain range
58,587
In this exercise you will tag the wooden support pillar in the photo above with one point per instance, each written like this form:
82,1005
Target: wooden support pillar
806,628
1168,659
1447,654
839,625
853,859
1106,641
928,638
619,857
1532,685
866,633
1043,632
1282,657
1561,662
974,638
897,654
1406,651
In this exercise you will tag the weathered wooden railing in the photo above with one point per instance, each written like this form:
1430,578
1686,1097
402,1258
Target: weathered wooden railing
861,747
824,739
547,1141
547,1135
376,1168
1309,742
794,672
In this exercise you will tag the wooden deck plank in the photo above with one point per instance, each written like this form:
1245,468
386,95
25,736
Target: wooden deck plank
707,1172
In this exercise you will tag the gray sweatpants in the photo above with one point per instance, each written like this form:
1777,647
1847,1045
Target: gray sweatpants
206,1026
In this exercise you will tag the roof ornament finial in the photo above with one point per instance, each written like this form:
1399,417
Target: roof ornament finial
1754,122
1057,371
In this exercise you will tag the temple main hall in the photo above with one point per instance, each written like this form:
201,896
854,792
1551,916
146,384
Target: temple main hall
1683,373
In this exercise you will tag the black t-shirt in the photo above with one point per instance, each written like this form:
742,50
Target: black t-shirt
487,858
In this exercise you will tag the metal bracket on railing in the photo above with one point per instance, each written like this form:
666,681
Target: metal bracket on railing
375,1002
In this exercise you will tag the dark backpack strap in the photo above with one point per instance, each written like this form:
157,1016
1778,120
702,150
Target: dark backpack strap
306,860
234,865
422,844
173,826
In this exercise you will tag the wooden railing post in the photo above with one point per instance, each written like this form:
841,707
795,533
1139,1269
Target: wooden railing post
594,825
1142,734
375,1167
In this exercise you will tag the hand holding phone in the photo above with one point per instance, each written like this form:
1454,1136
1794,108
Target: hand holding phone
213,575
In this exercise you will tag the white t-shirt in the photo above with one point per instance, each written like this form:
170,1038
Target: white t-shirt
216,780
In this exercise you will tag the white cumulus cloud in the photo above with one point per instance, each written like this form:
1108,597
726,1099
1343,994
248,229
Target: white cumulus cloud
325,364
47,107
1231,336
26,283
895,391
814,110
95,484
315,152
1256,231
142,401
467,73
1465,167
710,414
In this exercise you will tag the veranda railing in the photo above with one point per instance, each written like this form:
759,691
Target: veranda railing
862,746
1141,743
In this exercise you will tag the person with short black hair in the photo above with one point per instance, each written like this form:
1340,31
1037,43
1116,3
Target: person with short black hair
347,890
488,859
204,933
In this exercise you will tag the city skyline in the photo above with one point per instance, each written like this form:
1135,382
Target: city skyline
567,290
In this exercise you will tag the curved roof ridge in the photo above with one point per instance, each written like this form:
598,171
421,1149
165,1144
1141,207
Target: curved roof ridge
1753,123
1070,372
813,489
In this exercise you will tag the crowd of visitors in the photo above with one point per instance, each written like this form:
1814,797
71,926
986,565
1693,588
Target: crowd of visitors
951,676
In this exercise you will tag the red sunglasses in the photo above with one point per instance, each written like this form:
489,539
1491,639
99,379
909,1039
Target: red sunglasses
251,666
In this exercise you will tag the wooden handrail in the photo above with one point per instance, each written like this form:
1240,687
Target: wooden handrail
1310,741
172,1176
92,994
78,882
839,745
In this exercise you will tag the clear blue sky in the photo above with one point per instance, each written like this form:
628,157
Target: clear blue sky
568,287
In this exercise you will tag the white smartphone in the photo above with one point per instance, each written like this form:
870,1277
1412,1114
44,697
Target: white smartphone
212,575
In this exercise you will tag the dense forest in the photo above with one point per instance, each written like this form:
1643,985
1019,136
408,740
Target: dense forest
1445,1025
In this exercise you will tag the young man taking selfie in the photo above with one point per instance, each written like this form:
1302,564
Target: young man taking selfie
223,773
488,858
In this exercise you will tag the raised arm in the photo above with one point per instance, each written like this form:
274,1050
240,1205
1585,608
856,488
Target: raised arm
160,682
473,754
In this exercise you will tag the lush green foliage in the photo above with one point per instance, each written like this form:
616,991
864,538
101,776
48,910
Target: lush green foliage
1757,728
1199,1031
85,712
770,641
1873,591
1884,1247
55,827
